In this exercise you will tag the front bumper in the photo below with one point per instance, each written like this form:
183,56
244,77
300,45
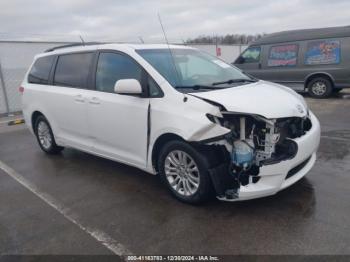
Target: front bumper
274,178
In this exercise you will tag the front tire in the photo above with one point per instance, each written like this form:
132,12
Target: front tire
45,136
184,171
320,87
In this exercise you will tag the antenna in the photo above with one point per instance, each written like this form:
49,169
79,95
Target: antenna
171,53
141,39
82,40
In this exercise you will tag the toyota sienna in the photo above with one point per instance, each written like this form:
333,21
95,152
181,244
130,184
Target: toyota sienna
201,124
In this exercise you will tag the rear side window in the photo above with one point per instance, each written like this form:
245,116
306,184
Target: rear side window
112,67
72,70
322,52
40,72
283,55
251,55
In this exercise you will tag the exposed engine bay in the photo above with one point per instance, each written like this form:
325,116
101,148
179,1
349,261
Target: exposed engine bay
255,141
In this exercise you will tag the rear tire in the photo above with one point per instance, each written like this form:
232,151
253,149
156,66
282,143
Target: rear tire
45,136
184,171
320,87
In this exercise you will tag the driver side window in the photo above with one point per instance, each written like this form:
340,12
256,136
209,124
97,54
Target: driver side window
250,55
112,67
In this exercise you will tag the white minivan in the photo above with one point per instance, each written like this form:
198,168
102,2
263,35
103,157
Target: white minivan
203,125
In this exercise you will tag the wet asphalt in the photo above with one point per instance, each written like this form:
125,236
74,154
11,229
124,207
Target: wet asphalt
311,217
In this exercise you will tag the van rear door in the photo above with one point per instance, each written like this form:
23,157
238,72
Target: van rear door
67,101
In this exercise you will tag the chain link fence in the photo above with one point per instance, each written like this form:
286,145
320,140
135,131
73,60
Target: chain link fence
15,59
17,56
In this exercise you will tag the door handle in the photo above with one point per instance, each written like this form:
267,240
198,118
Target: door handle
79,98
94,100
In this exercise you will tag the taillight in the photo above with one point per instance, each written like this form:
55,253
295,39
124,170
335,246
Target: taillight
21,89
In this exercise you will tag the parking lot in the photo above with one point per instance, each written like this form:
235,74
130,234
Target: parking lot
76,203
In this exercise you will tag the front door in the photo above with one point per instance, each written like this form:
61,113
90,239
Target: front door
118,123
249,61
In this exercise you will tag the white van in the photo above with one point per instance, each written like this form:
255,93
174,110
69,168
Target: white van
200,123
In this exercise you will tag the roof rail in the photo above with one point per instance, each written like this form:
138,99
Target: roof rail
72,45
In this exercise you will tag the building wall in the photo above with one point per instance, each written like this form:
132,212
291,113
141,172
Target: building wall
16,57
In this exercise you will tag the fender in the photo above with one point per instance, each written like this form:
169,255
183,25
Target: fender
318,73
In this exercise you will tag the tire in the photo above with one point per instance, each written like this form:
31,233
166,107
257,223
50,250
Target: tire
320,87
45,137
187,191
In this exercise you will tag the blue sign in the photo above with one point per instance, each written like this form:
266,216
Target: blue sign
323,52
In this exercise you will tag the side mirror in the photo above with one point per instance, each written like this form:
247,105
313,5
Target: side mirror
128,87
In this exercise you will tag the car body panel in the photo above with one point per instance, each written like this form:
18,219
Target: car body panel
118,126
69,123
265,99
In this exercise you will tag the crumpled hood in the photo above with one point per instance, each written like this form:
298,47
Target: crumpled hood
263,98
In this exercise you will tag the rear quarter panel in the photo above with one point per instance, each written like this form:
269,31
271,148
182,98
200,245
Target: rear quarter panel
33,99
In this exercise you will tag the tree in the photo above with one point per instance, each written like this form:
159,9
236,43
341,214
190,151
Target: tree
226,39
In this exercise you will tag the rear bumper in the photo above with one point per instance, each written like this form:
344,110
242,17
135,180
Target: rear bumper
27,120
276,177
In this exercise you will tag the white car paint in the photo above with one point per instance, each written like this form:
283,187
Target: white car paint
265,99
115,126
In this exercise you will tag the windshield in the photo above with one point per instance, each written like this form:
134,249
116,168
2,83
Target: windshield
194,69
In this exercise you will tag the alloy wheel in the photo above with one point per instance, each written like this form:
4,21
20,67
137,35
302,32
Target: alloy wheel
319,88
182,173
44,135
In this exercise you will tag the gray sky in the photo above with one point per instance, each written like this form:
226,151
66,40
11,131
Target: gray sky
108,20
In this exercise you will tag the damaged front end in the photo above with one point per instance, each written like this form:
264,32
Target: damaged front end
252,144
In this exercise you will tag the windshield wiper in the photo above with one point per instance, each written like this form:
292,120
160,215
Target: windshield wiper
196,87
232,81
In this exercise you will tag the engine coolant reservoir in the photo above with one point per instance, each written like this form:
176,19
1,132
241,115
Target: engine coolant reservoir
243,152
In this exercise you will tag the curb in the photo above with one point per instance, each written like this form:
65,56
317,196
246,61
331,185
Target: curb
15,122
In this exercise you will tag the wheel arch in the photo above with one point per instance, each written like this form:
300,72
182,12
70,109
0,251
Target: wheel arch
159,143
318,74
34,117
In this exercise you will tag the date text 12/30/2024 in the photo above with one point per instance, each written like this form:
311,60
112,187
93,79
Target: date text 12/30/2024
173,258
